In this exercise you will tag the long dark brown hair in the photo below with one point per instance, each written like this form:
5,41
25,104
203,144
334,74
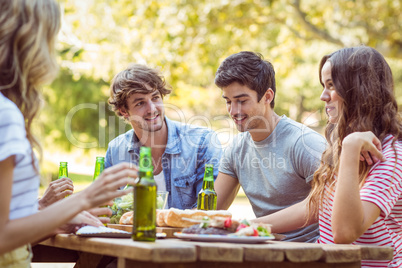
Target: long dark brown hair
363,79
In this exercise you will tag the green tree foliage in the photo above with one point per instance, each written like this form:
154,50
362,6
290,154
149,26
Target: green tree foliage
78,112
373,23
188,39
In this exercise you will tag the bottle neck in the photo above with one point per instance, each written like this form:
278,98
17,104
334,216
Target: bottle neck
207,184
63,172
147,174
209,173
99,167
146,170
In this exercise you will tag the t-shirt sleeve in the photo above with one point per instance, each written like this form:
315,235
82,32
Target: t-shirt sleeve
383,185
227,162
307,154
12,133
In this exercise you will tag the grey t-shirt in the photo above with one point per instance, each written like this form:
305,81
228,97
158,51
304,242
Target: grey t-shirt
276,172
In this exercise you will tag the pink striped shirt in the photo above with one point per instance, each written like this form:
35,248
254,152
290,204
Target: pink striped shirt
383,187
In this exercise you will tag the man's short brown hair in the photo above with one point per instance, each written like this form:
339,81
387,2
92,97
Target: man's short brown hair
134,80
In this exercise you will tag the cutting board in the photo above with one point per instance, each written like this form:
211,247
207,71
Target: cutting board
169,231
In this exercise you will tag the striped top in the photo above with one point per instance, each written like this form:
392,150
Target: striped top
13,142
383,187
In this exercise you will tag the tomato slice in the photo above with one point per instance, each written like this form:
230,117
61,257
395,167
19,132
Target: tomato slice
227,223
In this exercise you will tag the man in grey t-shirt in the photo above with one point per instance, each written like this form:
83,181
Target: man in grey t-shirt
274,158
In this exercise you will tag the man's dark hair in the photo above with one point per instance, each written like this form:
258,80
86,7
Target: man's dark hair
249,69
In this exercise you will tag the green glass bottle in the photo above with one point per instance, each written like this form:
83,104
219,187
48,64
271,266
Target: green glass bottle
144,222
207,195
99,166
63,170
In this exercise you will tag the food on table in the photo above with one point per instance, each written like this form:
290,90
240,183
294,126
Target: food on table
124,204
185,218
228,226
127,218
197,229
218,225
160,217
121,206
174,217
160,221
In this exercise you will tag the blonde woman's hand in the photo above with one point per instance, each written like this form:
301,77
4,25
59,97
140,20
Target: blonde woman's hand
106,187
367,144
103,213
82,219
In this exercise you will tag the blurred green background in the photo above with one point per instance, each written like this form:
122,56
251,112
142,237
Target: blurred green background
187,40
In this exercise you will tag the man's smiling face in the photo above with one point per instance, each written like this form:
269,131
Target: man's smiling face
244,108
145,111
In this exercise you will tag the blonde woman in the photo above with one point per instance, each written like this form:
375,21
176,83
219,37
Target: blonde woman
28,29
357,191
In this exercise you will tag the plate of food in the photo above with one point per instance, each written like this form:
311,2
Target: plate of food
224,238
222,229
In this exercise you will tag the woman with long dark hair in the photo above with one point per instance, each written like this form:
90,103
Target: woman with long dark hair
357,191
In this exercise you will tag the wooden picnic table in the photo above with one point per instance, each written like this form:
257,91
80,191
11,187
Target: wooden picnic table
88,252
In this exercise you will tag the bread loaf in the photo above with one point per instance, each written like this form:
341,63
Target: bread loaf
160,217
174,217
177,217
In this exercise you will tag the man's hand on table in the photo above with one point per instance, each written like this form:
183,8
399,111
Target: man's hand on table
56,191
60,188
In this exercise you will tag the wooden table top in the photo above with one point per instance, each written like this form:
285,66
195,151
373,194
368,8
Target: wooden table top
180,251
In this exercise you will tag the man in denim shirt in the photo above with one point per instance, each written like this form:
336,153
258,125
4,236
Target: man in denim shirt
179,151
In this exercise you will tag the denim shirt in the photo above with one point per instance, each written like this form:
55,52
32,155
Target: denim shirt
187,151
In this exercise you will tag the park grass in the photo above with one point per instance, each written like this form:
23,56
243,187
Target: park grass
80,178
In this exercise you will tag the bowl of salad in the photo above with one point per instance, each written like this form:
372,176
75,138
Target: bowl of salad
124,204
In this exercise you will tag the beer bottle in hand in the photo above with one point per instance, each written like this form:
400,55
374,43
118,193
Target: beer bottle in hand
99,166
207,195
144,222
63,171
